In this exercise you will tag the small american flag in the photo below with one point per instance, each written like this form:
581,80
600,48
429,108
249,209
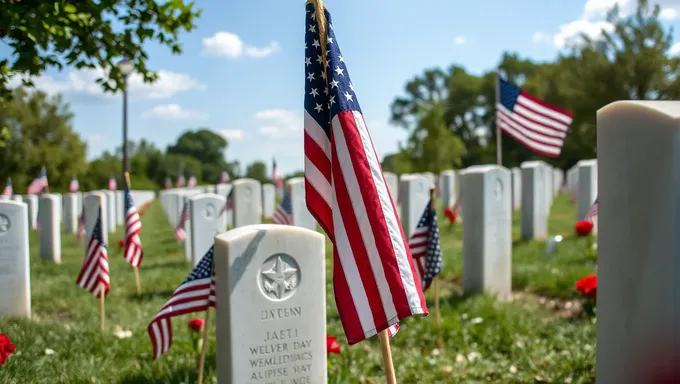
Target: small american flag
81,226
73,186
8,191
539,126
195,294
192,181
167,184
425,248
284,212
375,279
183,217
224,177
229,203
95,270
181,181
276,176
112,184
133,244
39,184
592,213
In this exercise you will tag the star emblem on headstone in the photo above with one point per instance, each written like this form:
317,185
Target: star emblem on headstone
210,211
281,277
4,223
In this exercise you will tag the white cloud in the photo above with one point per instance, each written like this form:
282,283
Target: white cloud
279,123
230,45
82,81
173,111
675,49
231,134
459,40
668,14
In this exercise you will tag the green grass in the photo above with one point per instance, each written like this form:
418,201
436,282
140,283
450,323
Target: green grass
535,337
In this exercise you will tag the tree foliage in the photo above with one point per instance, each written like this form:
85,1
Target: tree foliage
630,62
88,34
258,171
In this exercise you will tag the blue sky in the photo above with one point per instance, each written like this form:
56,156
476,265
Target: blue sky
241,73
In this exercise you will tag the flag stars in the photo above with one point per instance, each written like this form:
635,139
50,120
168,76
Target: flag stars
316,44
319,59
310,76
348,96
331,100
314,92
318,108
351,86
342,60
312,28
339,71
330,40
326,91
334,84
308,61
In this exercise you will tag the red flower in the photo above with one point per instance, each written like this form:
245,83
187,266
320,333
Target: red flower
121,243
6,348
332,345
448,211
196,324
587,286
583,228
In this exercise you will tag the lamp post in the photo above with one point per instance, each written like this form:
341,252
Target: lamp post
126,67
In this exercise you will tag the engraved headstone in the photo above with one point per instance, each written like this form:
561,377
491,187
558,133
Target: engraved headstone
206,222
516,188
94,203
301,216
50,231
15,277
247,202
393,185
447,187
120,207
110,211
268,200
415,194
188,240
32,203
534,213
70,213
271,305
487,230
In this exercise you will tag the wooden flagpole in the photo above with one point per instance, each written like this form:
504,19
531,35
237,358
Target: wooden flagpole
138,282
102,294
387,357
499,135
435,280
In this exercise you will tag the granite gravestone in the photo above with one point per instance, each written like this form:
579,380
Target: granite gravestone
32,203
247,202
415,194
206,222
50,231
534,214
94,203
268,200
15,276
301,216
70,213
393,185
271,305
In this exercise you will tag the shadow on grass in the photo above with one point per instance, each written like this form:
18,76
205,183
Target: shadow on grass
456,299
148,296
183,374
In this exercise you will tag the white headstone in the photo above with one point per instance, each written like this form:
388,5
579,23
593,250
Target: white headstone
447,187
534,214
94,202
32,203
18,198
487,230
638,244
50,229
587,186
110,211
247,202
301,216
268,200
548,185
120,207
60,206
206,222
15,273
271,305
415,194
393,185
558,179
70,213
516,188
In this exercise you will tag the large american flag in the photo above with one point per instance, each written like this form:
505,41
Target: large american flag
192,181
284,212
181,181
133,244
539,126
38,184
73,186
592,212
8,191
276,175
195,294
183,217
425,248
375,280
112,183
224,177
167,184
95,270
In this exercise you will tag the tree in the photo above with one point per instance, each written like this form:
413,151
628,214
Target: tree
258,171
203,145
88,34
41,135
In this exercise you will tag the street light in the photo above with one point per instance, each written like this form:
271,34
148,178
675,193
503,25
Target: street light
126,67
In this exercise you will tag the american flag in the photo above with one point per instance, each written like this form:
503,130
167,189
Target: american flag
375,278
38,184
112,184
73,186
539,126
8,191
592,213
425,248
167,184
183,217
276,176
229,203
224,177
81,226
284,212
95,269
192,181
133,225
195,294
180,180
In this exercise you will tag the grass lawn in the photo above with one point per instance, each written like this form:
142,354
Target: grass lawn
537,336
